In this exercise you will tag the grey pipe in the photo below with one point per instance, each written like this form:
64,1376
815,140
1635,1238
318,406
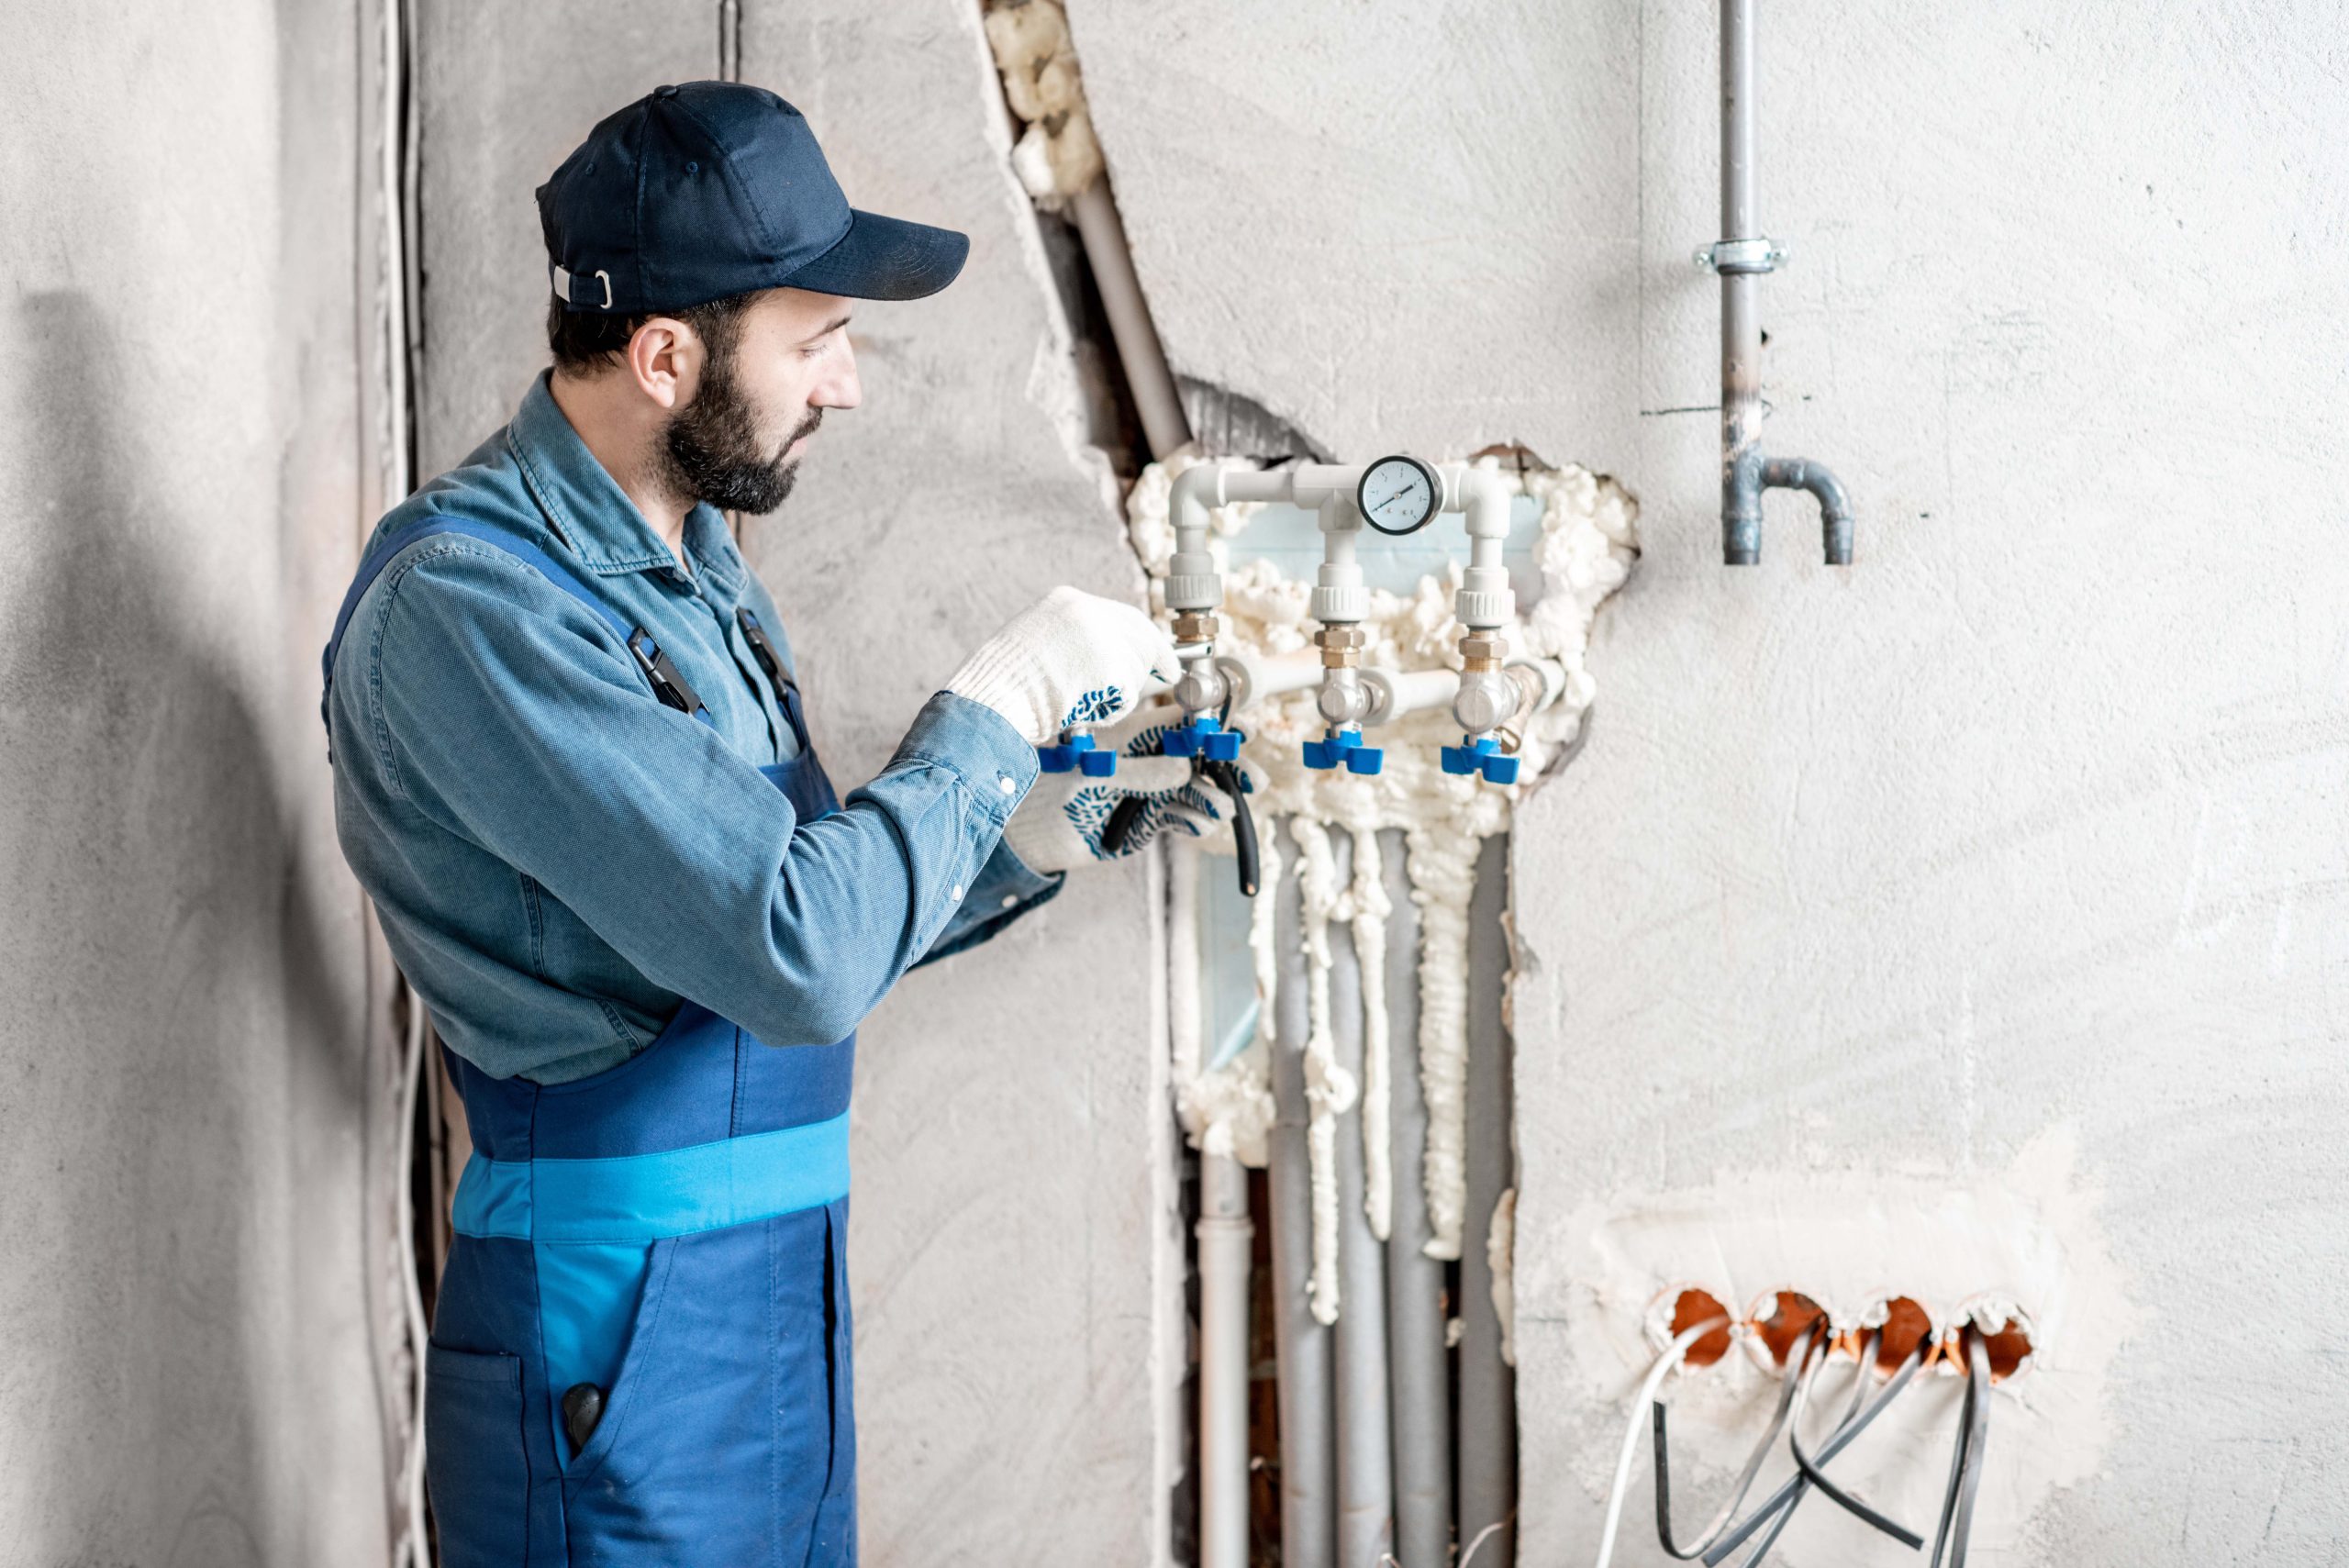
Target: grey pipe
1111,257
1420,1377
1487,1383
1308,1511
1226,1240
1744,473
1365,1468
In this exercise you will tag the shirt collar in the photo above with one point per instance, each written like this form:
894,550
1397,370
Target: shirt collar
585,505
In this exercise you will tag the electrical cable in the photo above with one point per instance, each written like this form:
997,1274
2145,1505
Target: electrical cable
1956,1525
412,1548
1728,1510
1793,1487
1672,1357
1817,1478
1794,1499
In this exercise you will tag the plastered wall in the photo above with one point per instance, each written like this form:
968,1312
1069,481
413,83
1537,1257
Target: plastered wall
2010,861
2013,858
187,1369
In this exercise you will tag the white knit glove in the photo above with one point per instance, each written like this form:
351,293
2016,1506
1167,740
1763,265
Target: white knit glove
1058,826
1070,658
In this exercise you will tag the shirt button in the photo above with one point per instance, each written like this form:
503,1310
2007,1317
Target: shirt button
1011,901
1009,787
955,892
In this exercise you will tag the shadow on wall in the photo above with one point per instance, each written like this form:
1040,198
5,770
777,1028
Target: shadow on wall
173,1005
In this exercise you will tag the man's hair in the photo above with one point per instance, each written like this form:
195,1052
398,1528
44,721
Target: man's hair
584,342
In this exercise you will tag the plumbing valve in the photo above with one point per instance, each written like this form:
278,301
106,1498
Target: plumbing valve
1077,752
1206,736
1344,746
1480,754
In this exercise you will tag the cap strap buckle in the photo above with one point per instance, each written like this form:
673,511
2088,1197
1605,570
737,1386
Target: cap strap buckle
564,285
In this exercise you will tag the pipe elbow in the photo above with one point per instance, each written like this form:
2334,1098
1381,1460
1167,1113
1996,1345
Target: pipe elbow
1483,494
1196,490
1835,519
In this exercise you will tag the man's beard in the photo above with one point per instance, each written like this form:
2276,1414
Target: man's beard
712,449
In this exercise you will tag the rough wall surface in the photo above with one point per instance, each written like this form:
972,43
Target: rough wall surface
2029,827
1401,228
186,1375
1010,1266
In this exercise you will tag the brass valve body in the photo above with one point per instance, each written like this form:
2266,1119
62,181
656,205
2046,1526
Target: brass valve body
1340,646
1481,650
1195,626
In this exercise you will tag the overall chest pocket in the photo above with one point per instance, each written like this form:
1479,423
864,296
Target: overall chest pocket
477,1464
727,1433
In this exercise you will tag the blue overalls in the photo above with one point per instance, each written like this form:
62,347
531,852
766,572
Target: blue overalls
672,1233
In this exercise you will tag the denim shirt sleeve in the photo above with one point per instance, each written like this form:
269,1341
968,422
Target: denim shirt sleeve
1004,890
510,714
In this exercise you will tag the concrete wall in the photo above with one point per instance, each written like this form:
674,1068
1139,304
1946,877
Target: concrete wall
2027,830
186,1371
2025,835
1011,1264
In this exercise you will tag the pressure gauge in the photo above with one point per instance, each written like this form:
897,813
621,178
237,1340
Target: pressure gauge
1399,494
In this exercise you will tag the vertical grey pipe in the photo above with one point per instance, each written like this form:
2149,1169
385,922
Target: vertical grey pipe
1420,1386
1156,399
1740,322
1365,1466
1744,474
1226,1240
1488,1386
1309,1506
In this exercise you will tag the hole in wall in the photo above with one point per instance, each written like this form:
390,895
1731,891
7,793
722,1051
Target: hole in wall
2009,1342
1780,1318
1906,1325
1693,1306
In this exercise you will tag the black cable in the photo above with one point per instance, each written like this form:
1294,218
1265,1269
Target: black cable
1793,1487
1817,1478
1956,1525
1728,1510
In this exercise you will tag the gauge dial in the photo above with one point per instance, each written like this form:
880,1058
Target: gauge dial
1399,494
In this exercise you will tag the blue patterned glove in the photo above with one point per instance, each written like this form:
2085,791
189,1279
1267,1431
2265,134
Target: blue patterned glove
1059,826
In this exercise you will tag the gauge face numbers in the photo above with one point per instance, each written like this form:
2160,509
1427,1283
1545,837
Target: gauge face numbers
1399,494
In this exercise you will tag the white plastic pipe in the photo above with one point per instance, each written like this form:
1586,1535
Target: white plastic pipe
1408,691
1260,677
1226,1240
1484,600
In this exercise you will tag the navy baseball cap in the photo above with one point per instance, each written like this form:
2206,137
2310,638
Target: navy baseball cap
697,192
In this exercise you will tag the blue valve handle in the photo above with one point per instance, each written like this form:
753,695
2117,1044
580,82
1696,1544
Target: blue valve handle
1343,746
1078,752
1480,754
1205,738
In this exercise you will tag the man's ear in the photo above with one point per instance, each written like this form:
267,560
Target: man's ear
664,356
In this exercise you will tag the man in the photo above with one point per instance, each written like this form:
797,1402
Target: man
572,770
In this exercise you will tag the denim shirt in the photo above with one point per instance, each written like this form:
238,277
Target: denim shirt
559,859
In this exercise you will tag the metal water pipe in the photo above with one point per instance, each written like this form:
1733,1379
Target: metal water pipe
1741,257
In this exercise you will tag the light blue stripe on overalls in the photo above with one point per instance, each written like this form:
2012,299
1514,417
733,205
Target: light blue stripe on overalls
642,1198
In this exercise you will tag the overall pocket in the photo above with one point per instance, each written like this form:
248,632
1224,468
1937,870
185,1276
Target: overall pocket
476,1461
716,1445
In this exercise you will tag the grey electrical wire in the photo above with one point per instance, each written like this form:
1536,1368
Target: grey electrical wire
1817,1478
1787,1514
1791,1489
1728,1510
1956,1525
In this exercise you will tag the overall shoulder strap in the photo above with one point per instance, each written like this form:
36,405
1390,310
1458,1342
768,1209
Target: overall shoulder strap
660,672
